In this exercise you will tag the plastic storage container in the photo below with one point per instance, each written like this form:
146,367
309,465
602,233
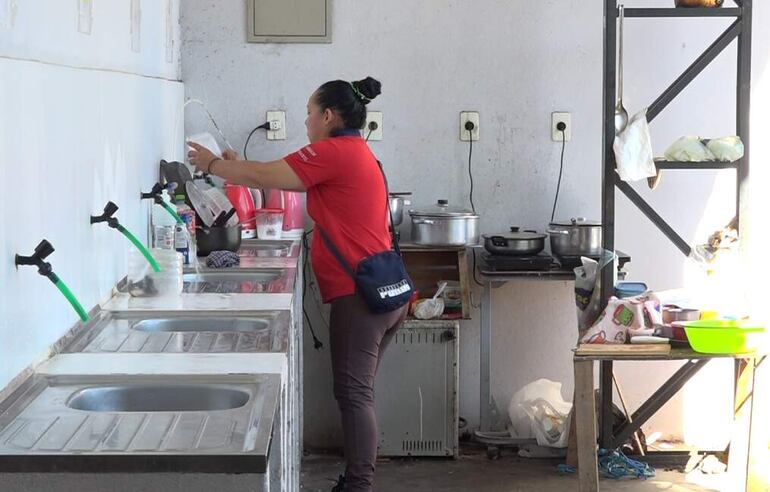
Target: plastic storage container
269,223
144,282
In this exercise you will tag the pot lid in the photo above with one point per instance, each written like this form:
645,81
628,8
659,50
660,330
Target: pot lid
443,209
576,221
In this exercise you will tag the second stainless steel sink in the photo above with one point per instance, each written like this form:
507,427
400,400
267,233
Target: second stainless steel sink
262,281
268,249
216,325
158,423
259,331
157,398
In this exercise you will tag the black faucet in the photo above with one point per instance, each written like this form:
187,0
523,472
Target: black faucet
155,193
107,216
42,251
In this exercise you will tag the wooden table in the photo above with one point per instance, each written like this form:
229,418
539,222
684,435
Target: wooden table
740,467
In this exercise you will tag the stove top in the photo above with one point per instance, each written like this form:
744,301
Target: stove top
497,263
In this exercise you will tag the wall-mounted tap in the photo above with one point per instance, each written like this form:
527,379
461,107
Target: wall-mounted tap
107,216
42,251
156,195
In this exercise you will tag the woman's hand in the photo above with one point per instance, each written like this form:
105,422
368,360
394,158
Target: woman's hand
230,155
200,157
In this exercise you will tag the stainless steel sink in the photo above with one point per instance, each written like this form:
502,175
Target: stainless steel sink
268,249
238,282
140,423
157,398
260,331
218,325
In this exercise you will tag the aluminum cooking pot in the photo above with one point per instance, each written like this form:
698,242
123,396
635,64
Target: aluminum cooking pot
397,203
443,225
576,237
515,243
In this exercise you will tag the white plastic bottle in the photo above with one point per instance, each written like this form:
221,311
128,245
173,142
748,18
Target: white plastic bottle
185,233
163,224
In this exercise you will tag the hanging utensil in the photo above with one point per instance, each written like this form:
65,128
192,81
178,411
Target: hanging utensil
621,115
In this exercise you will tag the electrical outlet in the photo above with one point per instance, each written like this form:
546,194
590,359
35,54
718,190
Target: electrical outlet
85,16
373,118
465,134
277,120
556,134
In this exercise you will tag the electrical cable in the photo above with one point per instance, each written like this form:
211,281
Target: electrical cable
561,170
263,126
371,126
470,168
317,344
475,279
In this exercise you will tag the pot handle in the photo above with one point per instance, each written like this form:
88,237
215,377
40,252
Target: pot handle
498,241
423,221
555,232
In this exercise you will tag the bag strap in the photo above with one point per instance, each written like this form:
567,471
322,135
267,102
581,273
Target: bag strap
393,238
336,252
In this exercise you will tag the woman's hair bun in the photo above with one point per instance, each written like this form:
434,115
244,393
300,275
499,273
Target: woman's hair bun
369,87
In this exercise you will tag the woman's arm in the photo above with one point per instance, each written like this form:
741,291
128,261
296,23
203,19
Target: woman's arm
274,175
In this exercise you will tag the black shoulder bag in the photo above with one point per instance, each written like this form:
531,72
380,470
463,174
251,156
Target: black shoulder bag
381,279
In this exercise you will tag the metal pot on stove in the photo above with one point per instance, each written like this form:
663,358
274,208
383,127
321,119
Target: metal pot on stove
575,237
515,243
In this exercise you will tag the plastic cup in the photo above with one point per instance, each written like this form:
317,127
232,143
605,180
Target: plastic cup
269,223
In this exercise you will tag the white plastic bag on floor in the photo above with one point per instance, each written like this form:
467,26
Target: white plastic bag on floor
633,150
538,410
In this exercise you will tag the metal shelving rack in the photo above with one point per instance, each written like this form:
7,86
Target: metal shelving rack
740,31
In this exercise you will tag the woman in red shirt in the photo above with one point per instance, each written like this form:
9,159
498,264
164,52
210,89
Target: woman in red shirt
347,199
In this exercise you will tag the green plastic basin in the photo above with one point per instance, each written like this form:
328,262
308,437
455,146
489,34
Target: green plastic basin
717,336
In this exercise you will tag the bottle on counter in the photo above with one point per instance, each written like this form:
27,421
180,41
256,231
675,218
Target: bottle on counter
185,240
163,224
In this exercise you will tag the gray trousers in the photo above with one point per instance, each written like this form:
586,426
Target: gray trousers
358,339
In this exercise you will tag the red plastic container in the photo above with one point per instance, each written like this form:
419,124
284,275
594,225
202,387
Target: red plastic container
243,202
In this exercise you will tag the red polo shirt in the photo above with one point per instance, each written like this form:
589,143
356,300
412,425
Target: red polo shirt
345,198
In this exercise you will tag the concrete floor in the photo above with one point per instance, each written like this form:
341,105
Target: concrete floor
474,472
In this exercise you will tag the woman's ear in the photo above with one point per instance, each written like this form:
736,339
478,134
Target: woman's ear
328,115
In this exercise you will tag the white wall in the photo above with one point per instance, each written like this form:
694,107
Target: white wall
83,120
515,62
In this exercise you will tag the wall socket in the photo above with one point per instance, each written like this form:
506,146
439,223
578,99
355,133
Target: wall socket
373,117
561,117
473,117
276,119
